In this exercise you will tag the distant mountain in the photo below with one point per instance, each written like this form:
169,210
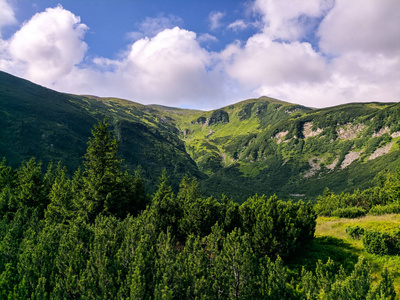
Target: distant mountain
262,145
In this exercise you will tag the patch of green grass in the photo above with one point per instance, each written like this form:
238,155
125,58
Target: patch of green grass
334,228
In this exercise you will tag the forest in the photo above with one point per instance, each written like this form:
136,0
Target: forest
99,235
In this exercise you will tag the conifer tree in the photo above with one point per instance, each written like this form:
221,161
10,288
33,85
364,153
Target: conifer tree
60,207
106,188
31,192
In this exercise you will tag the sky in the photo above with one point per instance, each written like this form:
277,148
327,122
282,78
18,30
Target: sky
205,54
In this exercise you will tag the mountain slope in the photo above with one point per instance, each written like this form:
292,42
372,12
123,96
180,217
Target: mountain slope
292,150
262,145
52,126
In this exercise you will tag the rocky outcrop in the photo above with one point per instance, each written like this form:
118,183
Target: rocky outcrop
218,116
308,132
349,158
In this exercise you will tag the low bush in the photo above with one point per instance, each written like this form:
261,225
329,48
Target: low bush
355,232
381,243
377,210
349,212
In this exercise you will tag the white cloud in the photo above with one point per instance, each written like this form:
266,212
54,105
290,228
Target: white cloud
167,65
362,25
265,62
289,20
366,68
7,16
215,18
49,45
206,37
168,68
237,25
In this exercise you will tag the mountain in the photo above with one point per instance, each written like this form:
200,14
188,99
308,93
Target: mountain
262,145
51,126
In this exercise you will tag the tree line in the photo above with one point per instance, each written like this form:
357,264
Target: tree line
99,235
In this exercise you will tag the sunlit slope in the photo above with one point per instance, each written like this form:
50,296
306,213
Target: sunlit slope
269,146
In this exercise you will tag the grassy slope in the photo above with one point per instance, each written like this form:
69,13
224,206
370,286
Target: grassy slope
245,153
331,238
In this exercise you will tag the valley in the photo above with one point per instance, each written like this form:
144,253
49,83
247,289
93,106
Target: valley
264,145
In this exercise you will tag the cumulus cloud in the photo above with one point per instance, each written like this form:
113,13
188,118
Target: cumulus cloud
353,56
289,20
237,25
278,63
362,25
7,16
264,62
169,68
215,18
206,37
48,46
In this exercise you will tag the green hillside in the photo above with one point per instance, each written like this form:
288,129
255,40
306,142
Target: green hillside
262,145
51,126
267,146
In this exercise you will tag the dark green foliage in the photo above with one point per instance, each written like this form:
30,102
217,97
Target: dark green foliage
51,126
95,236
106,188
218,116
355,232
331,282
382,243
245,113
277,227
381,199
385,289
378,210
348,212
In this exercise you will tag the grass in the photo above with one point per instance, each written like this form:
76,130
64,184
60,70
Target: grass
334,228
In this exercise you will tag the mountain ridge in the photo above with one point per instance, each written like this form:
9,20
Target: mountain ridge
261,145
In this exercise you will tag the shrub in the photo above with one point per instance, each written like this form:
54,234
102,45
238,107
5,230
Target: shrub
349,212
355,232
382,243
377,210
376,242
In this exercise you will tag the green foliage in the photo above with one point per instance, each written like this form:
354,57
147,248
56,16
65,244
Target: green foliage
377,210
277,227
355,232
378,200
106,188
221,148
382,243
385,288
348,212
96,236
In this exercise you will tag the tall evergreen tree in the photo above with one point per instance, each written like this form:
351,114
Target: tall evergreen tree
106,187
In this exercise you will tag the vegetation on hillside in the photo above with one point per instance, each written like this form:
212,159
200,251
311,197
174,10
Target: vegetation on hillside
98,235
263,145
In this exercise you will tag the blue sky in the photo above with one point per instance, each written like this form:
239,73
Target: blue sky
110,21
207,54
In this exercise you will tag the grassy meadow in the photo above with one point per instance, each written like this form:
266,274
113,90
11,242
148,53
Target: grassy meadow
331,238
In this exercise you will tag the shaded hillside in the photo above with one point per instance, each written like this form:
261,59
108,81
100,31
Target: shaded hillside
51,126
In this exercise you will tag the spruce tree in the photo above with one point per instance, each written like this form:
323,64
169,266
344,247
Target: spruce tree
106,188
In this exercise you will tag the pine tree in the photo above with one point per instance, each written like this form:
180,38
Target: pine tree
31,191
106,187
60,207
